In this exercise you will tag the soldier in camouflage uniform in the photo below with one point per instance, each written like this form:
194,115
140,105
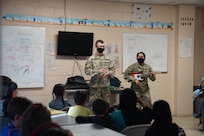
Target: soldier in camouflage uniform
101,69
140,84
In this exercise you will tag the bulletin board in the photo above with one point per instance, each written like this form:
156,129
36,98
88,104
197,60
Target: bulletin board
22,55
153,45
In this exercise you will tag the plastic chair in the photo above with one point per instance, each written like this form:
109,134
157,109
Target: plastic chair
135,130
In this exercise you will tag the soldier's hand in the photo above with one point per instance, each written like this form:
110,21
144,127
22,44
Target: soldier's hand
103,70
141,102
137,82
152,74
106,74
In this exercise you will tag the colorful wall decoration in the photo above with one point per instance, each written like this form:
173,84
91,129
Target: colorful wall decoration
87,22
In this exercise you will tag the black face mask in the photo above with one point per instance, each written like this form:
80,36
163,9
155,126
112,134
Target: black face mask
100,50
140,60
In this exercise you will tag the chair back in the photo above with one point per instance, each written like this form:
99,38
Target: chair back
135,130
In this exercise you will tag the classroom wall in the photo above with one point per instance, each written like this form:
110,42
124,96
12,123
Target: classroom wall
165,87
184,61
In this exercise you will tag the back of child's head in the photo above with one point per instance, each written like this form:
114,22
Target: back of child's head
7,89
34,116
58,90
49,129
128,100
4,81
100,107
162,112
80,97
17,106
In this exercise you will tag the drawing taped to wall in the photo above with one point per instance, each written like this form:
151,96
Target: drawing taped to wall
113,51
22,55
141,11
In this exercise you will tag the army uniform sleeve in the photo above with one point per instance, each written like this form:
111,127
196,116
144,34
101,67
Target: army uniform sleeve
153,77
127,75
89,70
111,69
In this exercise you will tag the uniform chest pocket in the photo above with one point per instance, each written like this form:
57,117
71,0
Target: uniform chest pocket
100,63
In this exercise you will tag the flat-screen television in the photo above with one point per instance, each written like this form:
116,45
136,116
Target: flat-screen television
75,43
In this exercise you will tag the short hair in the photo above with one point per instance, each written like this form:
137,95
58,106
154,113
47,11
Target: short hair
98,41
17,106
80,97
141,53
100,107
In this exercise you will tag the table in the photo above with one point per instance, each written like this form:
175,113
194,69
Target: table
115,94
90,129
63,119
117,90
72,91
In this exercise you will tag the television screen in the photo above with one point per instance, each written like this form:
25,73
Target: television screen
75,43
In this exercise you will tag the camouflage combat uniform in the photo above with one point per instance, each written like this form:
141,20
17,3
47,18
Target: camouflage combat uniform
99,86
143,88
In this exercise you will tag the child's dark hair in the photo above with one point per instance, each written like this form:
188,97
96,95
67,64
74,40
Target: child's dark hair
34,116
100,107
7,90
4,83
58,91
49,129
17,106
80,97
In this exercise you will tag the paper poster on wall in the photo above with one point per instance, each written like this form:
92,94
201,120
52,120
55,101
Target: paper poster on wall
22,55
185,48
153,45
141,11
50,56
113,51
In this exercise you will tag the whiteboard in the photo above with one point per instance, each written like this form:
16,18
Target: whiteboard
22,55
153,45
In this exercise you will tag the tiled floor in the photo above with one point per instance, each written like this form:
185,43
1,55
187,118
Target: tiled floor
189,124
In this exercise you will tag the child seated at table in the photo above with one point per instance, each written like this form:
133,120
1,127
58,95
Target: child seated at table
15,109
7,92
80,99
128,114
35,118
58,102
100,108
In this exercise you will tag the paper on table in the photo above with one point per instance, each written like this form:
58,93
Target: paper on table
54,112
